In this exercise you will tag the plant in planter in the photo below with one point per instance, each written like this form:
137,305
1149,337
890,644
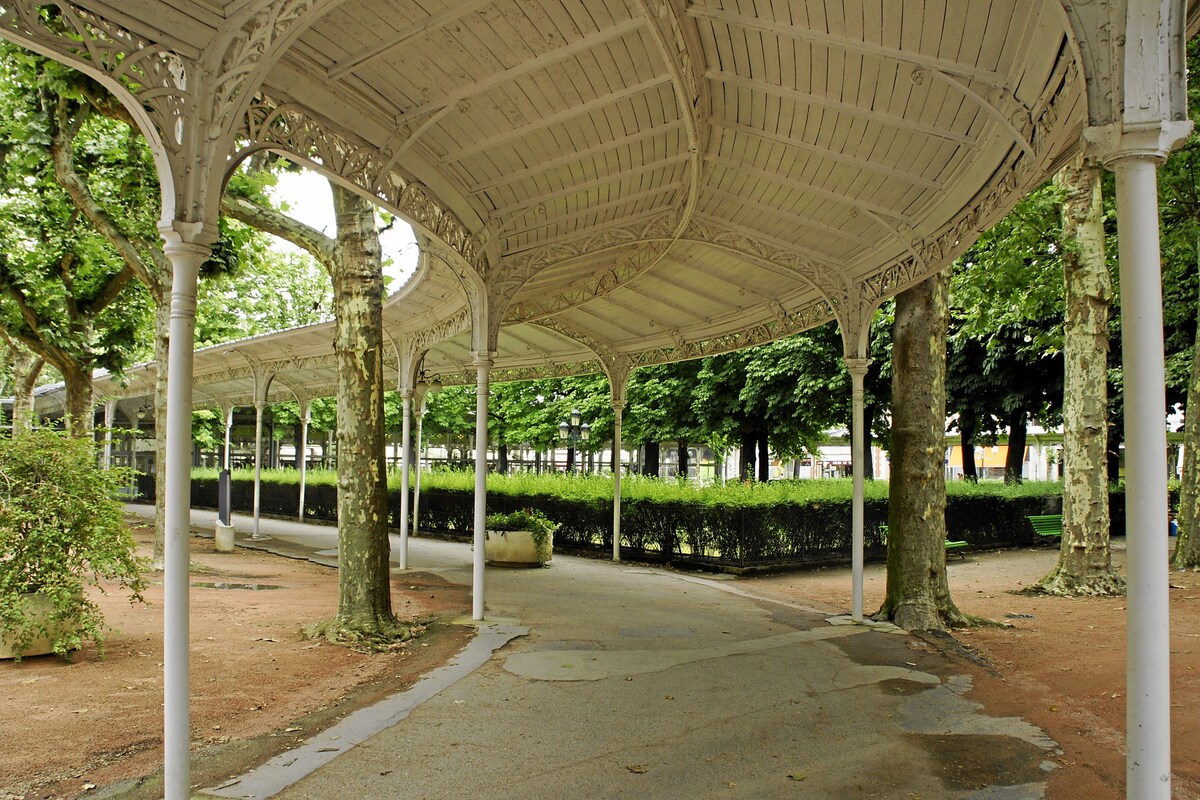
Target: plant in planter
61,528
508,534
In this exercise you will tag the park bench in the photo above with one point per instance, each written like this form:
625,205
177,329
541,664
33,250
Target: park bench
949,545
1046,524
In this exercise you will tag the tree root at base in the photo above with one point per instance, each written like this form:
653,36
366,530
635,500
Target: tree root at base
1061,584
923,617
382,636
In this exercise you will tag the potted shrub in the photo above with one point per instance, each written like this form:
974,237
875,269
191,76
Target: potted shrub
523,537
61,528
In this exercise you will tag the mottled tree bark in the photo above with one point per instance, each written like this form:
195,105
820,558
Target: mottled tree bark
80,403
355,264
26,367
364,590
1187,544
1084,563
918,595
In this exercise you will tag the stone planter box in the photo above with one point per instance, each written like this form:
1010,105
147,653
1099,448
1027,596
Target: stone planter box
515,549
40,608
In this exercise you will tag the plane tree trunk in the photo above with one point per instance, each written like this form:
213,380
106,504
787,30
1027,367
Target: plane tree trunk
26,367
364,588
1084,562
918,595
1187,544
354,261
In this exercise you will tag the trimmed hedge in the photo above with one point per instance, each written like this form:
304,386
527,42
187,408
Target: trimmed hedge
663,524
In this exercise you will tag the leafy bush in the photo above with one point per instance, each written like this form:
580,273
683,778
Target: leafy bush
314,476
736,525
60,528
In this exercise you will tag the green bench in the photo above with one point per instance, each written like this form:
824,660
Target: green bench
955,546
1046,524
883,534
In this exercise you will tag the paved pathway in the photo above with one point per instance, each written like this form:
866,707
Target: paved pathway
635,682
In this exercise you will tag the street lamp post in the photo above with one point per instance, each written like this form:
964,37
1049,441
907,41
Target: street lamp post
573,432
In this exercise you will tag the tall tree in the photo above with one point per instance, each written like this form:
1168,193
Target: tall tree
364,589
1084,563
659,408
1006,332
67,295
1179,182
110,179
449,416
1187,543
263,290
721,411
918,594
355,264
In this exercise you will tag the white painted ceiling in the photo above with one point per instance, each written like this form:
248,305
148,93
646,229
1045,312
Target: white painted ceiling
663,179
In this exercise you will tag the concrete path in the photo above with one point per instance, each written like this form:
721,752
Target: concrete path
635,682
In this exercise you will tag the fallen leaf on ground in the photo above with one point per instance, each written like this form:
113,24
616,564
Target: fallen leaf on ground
636,769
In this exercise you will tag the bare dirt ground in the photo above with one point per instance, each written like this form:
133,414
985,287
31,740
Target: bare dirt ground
259,688
1061,665
73,728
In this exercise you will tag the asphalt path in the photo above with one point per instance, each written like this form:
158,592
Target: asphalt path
590,679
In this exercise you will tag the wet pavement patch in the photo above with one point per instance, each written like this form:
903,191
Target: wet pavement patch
253,587
901,686
977,761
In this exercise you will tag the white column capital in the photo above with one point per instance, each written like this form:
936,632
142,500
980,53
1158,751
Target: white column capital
857,365
482,359
406,393
1110,144
186,250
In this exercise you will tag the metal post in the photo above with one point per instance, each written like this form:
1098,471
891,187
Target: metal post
483,367
420,413
110,408
259,406
185,265
1148,702
406,396
228,437
858,372
302,453
616,544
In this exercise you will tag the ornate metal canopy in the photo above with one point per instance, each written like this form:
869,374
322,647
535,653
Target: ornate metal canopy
607,183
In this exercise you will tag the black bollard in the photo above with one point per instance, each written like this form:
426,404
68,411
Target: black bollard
223,497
